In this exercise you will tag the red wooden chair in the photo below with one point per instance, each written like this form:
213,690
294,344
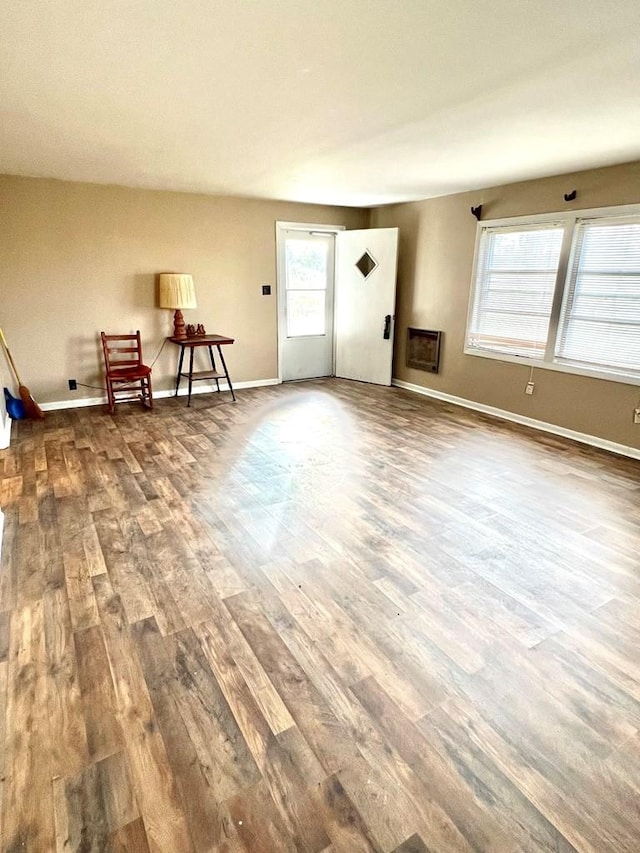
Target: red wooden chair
125,373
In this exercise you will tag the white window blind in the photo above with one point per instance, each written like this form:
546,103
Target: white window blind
600,320
515,282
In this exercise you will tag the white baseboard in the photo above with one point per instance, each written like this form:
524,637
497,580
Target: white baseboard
200,388
582,437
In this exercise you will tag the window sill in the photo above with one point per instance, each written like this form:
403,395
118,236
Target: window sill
594,373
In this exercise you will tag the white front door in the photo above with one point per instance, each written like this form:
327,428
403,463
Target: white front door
306,269
366,270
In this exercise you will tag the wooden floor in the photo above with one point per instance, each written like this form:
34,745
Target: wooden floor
329,617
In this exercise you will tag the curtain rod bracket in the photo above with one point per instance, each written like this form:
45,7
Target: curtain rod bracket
477,212
571,196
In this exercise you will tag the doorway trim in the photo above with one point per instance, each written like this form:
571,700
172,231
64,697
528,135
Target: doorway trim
281,227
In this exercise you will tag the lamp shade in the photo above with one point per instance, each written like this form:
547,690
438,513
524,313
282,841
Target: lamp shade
176,291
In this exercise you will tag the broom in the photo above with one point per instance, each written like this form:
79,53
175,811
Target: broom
32,409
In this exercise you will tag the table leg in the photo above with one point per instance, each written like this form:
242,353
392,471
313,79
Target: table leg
226,373
180,360
213,367
191,351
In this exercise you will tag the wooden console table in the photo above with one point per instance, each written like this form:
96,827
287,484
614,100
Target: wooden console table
209,341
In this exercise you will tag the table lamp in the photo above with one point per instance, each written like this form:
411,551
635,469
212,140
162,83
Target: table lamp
177,292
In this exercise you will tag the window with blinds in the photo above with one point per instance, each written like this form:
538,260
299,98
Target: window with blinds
515,283
561,291
600,322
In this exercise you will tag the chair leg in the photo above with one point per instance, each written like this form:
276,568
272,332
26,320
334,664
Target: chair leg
146,393
145,396
111,398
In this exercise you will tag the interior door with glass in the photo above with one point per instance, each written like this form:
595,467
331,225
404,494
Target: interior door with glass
365,304
305,303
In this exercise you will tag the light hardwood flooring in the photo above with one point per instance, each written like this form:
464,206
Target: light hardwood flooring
329,617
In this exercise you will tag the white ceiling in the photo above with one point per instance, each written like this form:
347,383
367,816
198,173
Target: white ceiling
355,102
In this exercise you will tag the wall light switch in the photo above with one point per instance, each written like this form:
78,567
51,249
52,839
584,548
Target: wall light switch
529,388
266,290
636,416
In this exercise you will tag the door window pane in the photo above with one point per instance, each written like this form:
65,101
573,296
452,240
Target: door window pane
306,265
305,313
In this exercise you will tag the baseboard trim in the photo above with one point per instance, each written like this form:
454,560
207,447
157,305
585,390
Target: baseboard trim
200,388
582,437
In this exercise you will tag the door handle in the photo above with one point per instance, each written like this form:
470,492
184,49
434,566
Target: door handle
387,327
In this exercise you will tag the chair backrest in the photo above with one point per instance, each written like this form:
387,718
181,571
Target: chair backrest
121,350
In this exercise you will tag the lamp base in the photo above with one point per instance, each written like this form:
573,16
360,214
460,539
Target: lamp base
179,330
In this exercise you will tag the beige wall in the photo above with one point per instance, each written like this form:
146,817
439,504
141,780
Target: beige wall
78,258
437,239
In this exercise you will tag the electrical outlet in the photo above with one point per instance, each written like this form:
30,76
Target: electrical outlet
528,389
636,416
73,385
